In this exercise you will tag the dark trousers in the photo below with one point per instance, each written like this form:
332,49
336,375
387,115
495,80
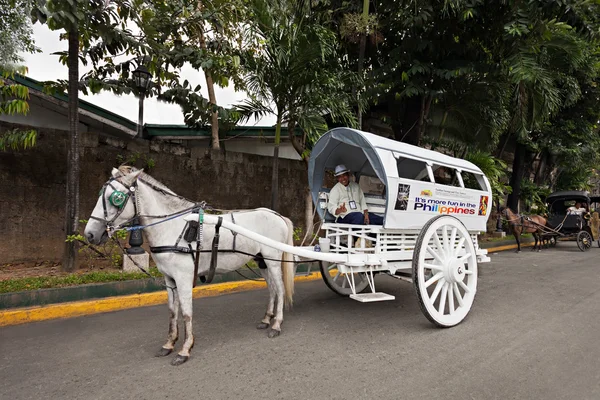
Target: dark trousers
358,218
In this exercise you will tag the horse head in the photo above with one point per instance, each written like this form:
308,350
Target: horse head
115,205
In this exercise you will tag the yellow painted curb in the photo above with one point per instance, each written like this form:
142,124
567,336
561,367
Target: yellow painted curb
507,247
88,307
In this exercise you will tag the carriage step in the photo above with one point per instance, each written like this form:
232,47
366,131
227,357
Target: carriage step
370,297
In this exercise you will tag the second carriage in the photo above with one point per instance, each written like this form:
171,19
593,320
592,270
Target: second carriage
568,222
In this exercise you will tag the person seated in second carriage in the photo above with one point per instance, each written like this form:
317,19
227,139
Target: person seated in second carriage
347,201
576,210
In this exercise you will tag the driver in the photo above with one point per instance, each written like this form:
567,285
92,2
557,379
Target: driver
347,201
577,209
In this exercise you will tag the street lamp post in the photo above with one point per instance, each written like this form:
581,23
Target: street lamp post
142,80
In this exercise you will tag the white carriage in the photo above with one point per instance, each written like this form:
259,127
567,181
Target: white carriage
433,207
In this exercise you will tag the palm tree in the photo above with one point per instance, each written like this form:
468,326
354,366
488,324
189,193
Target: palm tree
282,67
293,71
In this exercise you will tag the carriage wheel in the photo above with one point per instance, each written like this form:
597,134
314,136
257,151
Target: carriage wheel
445,271
584,240
337,281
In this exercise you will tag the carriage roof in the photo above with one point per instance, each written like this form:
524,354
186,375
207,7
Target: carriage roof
568,195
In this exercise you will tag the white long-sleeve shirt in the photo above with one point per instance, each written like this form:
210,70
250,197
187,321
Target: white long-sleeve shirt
345,194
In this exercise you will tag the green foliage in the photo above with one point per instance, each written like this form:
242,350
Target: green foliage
16,35
494,169
292,69
13,100
533,197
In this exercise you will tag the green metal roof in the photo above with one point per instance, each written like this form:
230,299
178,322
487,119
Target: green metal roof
184,130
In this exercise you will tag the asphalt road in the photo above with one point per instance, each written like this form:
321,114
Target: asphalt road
533,333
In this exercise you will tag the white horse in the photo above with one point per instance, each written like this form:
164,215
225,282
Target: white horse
131,193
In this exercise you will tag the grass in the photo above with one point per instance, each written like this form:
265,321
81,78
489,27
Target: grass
34,283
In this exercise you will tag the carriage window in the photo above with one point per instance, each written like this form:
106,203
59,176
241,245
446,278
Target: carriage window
412,169
371,185
445,175
473,181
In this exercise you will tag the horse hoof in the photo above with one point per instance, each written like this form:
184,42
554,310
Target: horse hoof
262,325
273,333
179,360
163,352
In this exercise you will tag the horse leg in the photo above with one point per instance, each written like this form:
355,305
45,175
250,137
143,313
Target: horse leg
517,234
266,321
184,289
173,314
277,282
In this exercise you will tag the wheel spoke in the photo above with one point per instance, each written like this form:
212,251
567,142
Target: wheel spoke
452,241
464,286
442,304
465,257
433,279
435,255
446,241
335,278
438,244
345,281
451,299
457,293
436,291
433,267
459,246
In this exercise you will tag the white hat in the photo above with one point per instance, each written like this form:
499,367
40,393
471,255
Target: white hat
341,169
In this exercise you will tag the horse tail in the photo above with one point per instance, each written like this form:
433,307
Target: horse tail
287,266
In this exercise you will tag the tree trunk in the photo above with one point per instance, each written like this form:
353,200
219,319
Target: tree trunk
275,176
72,195
406,120
516,177
361,58
210,86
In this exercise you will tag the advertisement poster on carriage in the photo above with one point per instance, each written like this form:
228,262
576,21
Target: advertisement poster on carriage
417,202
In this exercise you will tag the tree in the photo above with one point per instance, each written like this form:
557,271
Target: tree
289,66
84,21
16,37
172,34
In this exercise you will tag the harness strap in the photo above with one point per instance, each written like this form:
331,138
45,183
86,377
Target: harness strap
214,253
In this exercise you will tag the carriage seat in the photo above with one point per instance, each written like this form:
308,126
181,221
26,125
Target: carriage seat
375,204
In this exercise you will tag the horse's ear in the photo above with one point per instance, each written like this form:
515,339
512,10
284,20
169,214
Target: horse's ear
130,178
115,173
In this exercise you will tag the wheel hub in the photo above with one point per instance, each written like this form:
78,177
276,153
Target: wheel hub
454,271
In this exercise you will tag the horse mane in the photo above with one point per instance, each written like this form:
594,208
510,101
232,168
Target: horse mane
176,201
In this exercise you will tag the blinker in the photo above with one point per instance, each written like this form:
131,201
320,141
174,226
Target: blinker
117,198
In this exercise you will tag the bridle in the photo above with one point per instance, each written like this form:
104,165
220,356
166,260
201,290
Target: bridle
118,199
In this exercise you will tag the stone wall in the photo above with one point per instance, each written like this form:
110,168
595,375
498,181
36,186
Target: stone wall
32,185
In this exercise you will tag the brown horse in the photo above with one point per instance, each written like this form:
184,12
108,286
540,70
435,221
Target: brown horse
525,224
